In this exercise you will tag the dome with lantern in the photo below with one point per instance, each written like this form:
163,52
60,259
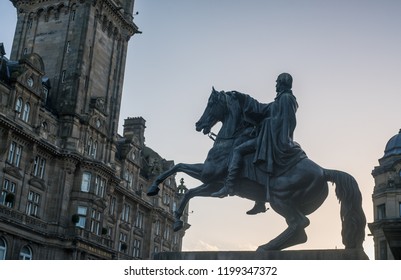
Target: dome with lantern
393,147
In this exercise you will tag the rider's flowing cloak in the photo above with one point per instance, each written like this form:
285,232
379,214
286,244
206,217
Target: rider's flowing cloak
276,151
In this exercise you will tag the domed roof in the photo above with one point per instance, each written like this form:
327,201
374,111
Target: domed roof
393,146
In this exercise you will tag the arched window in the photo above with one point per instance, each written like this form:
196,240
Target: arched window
26,253
25,113
3,249
18,106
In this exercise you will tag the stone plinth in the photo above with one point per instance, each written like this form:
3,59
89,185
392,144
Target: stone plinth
343,254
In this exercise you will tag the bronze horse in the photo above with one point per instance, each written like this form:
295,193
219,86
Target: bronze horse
294,195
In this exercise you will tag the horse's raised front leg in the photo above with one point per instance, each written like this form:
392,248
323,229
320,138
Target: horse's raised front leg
202,190
193,170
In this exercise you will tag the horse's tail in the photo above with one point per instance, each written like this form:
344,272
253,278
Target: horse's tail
352,216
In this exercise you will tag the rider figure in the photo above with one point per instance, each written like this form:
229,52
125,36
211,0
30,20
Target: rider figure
274,147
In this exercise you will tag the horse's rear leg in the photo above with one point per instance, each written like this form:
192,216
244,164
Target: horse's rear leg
295,232
193,170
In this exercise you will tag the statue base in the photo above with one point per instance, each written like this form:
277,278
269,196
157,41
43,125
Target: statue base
341,254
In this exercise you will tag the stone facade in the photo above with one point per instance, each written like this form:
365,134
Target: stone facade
386,227
71,187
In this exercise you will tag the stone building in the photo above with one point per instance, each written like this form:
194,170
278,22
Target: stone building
71,187
386,227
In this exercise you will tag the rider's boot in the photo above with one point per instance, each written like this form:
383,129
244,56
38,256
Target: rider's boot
226,190
259,207
233,170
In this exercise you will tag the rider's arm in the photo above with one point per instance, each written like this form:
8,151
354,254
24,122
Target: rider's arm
253,111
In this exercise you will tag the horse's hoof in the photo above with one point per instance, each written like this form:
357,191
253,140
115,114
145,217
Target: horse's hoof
153,190
178,225
258,208
264,248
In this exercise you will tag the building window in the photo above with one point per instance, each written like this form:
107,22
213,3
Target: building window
33,204
123,242
86,181
7,194
167,233
139,220
68,47
14,154
25,113
157,230
174,208
89,145
383,250
39,166
3,249
126,212
18,106
45,93
29,25
100,184
166,198
81,211
25,253
130,179
113,202
63,76
95,222
110,231
92,147
381,211
73,13
18,154
136,252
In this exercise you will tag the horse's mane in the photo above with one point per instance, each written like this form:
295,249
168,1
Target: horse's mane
234,101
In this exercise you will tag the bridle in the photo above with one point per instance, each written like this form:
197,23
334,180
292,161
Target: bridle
236,133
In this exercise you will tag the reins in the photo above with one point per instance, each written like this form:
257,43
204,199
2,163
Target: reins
238,132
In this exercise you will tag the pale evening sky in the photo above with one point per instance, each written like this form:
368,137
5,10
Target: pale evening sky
344,57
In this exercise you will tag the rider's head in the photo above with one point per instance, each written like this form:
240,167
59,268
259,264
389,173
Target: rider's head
284,82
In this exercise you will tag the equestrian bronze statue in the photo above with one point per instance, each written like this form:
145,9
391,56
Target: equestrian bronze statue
254,156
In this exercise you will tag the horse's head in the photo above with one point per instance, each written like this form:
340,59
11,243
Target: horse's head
214,111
